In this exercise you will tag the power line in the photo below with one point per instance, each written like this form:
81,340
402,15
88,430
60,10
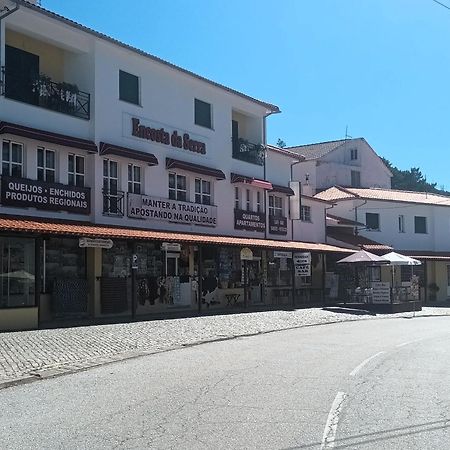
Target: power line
442,4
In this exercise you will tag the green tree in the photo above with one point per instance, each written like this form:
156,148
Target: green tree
281,143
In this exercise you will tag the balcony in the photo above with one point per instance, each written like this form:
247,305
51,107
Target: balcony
113,202
39,90
248,152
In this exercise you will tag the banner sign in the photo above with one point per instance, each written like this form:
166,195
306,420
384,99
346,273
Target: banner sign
155,208
277,225
22,192
247,220
95,243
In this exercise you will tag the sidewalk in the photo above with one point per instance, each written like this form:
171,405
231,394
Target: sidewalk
31,355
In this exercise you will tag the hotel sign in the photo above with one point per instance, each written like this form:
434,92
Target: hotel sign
155,208
247,220
277,225
21,192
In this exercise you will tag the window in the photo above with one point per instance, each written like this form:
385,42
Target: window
12,159
202,113
305,213
401,224
275,206
76,170
112,198
258,202
177,187
134,179
128,87
248,200
354,154
237,198
373,221
202,191
46,170
420,225
355,178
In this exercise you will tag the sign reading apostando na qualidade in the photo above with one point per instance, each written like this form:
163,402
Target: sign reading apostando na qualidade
156,208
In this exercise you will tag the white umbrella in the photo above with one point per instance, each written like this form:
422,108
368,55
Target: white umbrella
363,257
396,259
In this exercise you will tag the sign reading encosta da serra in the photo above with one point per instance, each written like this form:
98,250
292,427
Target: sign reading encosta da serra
162,136
145,207
22,192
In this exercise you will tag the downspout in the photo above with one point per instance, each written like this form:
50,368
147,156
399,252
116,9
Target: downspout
356,215
7,12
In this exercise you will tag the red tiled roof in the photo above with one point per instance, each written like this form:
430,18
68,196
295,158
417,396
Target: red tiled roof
100,231
426,255
358,241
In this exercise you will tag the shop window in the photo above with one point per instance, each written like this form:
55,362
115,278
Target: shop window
237,198
128,87
17,285
259,207
355,178
278,272
202,191
373,221
275,206
46,165
420,225
248,200
401,224
63,260
134,179
76,170
305,213
12,159
177,187
202,113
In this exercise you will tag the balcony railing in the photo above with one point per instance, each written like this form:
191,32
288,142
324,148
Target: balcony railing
247,151
40,90
113,202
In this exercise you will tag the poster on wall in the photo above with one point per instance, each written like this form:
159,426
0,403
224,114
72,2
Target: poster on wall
156,208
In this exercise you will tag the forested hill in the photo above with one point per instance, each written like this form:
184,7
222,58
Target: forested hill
412,180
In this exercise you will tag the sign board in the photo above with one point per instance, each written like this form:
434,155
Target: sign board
251,221
95,243
277,225
246,254
22,192
134,262
171,247
280,254
156,208
381,292
303,270
302,258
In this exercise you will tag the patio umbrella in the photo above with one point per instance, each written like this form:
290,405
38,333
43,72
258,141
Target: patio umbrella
396,259
363,257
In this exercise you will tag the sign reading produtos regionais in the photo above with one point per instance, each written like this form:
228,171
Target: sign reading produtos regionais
155,208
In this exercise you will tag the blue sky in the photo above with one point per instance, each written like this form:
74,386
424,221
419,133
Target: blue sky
380,67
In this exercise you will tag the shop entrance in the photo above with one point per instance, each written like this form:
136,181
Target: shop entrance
254,281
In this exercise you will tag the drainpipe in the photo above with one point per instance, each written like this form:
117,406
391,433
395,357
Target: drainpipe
356,214
6,12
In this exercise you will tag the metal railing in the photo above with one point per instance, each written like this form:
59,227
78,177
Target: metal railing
40,90
248,151
113,202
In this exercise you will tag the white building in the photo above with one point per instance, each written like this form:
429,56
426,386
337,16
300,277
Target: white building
102,140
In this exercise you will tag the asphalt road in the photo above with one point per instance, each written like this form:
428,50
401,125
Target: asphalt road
370,384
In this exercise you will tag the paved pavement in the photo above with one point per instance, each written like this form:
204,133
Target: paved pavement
30,355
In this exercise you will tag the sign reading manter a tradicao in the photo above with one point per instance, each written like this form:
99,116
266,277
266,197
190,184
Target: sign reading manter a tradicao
155,208
23,192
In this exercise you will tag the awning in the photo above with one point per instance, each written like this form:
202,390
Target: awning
196,168
282,189
236,178
357,241
427,256
42,227
111,149
47,136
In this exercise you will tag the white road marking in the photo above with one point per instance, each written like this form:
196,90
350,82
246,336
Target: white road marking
358,368
408,342
329,433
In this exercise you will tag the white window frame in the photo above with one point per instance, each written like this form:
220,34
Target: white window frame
401,223
75,173
108,178
305,213
178,193
426,225
248,200
259,205
379,222
134,184
275,206
43,171
354,154
10,163
203,191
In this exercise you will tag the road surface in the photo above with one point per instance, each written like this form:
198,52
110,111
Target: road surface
370,384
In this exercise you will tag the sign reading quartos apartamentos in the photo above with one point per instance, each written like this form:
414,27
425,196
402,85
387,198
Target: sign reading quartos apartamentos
247,220
174,138
155,208
22,192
